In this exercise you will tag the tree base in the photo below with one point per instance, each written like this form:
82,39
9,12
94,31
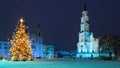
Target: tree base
21,59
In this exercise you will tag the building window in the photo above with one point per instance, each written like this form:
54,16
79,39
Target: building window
33,41
91,56
5,48
33,46
81,50
5,44
81,46
92,51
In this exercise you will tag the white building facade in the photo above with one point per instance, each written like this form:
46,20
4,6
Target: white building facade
87,45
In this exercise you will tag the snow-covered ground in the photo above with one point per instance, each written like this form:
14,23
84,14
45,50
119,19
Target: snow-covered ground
61,64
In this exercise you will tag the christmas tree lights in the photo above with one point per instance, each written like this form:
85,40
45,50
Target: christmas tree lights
20,44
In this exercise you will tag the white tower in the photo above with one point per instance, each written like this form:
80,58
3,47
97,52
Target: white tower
87,45
84,21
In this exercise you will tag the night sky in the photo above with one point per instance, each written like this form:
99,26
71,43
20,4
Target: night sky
59,20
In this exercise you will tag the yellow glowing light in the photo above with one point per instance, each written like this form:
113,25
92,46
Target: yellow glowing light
20,44
21,20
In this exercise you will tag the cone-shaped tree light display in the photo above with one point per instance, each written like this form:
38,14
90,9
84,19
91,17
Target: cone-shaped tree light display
20,44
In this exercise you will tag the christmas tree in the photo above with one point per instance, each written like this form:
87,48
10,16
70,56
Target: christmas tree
20,44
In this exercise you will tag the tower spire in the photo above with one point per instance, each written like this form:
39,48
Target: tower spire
38,30
84,20
85,9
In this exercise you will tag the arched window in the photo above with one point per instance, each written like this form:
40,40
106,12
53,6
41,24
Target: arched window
81,51
93,51
81,46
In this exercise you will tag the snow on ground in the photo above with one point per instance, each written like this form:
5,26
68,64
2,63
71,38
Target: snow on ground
61,64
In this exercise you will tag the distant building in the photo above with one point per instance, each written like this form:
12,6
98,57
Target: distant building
37,46
4,49
48,51
63,53
41,50
87,46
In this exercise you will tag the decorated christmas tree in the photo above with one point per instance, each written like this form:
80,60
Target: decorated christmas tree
20,44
